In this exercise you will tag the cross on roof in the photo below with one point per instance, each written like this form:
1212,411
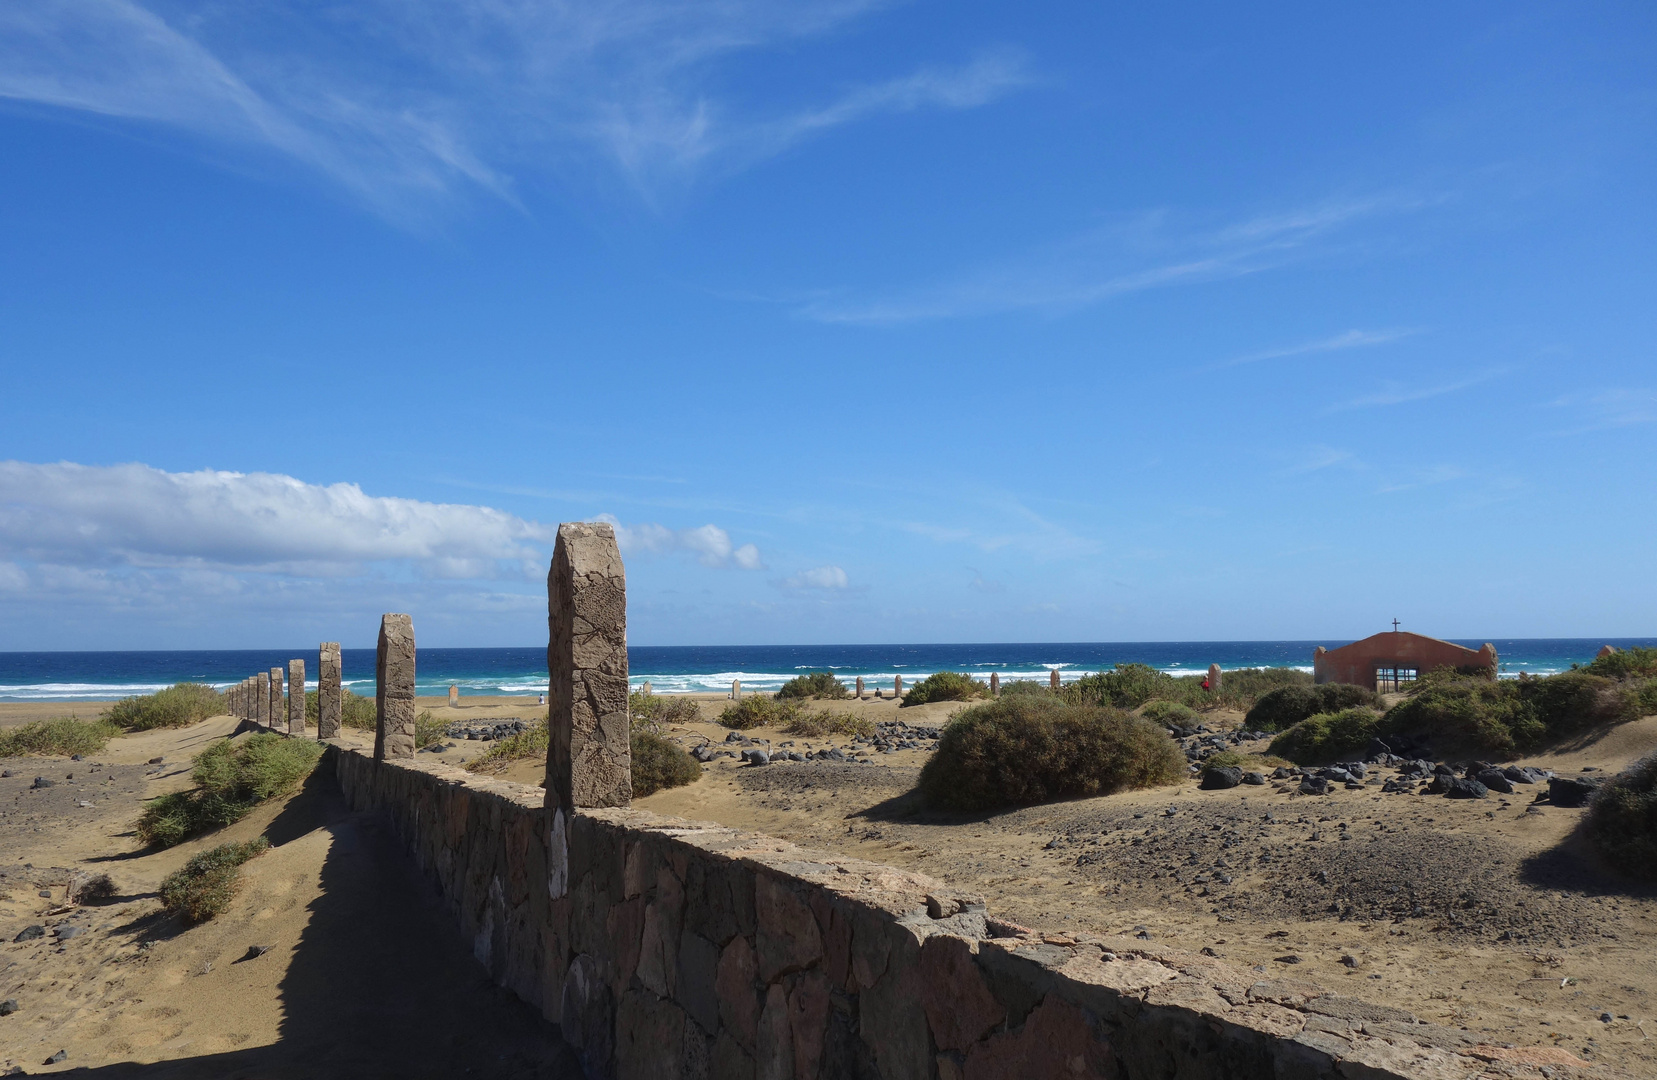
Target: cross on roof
1395,626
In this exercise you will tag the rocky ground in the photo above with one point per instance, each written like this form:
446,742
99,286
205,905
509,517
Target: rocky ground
1485,914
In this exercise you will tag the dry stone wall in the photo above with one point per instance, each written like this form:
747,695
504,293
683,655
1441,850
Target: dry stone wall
668,949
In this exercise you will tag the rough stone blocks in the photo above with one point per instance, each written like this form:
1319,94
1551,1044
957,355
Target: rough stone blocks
276,710
261,698
589,757
394,688
329,696
296,697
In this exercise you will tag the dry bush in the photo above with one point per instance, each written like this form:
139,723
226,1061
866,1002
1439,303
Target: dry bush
177,706
62,736
1026,749
658,763
531,742
820,724
944,686
209,881
818,684
1328,736
231,779
1622,819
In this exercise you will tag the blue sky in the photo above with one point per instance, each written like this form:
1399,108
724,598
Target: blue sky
864,322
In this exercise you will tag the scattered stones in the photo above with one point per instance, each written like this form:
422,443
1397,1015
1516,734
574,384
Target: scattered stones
756,757
156,760
56,1058
1495,780
42,782
1571,791
1221,778
69,933
1314,785
9,1006
1461,788
1254,778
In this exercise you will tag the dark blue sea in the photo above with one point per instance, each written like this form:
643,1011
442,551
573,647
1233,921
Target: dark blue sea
86,676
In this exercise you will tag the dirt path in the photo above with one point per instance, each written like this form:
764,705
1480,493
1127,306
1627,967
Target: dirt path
364,973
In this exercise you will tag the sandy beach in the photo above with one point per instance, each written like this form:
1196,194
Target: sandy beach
1511,931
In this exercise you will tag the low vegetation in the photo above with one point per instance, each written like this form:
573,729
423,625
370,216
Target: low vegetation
532,742
1025,686
819,725
428,730
658,709
355,711
1514,715
230,779
1635,663
209,881
1622,819
659,763
757,710
1241,688
177,706
1286,706
1232,759
1024,749
818,684
1328,736
945,686
62,736
1170,714
1128,686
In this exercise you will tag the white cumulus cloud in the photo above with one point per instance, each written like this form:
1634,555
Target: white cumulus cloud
711,545
92,515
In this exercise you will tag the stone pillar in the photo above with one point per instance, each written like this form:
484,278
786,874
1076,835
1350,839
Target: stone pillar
995,684
296,697
454,695
276,710
394,688
1214,678
1053,680
261,698
589,757
860,688
897,686
329,699
736,689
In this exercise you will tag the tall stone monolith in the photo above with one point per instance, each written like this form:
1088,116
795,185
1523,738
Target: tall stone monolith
897,686
454,695
736,689
995,684
394,688
296,697
1053,680
278,710
261,698
1214,678
329,698
589,760
860,688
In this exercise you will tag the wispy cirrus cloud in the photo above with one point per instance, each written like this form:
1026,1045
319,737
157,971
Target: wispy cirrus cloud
1394,392
818,577
1615,407
402,101
1351,339
1144,253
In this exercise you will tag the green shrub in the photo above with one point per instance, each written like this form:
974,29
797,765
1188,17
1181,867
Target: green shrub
532,742
1475,712
658,764
355,710
177,706
647,709
944,686
1283,708
1622,819
231,779
1227,759
428,729
1170,713
1328,736
1126,686
1026,686
818,684
1646,696
209,881
61,736
757,710
1573,700
1634,663
1024,749
819,724
1241,688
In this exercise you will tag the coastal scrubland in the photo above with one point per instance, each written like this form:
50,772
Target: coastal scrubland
229,778
180,705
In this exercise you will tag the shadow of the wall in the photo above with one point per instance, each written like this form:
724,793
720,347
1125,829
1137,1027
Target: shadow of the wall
381,984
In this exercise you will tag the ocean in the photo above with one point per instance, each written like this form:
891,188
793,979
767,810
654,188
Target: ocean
91,676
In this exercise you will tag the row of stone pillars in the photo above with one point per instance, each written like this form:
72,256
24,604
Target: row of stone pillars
589,757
